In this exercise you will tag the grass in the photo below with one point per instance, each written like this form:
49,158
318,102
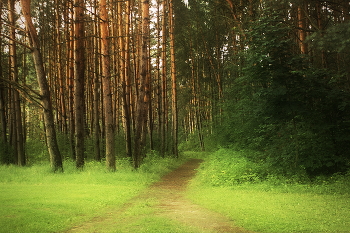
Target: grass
32,199
275,204
263,211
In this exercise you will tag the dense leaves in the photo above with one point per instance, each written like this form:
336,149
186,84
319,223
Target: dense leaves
297,114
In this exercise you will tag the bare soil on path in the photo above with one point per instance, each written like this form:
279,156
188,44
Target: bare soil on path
167,199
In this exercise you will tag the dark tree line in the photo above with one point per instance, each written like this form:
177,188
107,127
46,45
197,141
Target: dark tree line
271,76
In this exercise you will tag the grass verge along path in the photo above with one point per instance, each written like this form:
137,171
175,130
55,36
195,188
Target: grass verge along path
162,208
267,206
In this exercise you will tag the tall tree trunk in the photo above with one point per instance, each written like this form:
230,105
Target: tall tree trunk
50,132
3,123
79,81
126,84
60,74
97,89
143,98
18,126
70,78
106,83
173,80
164,97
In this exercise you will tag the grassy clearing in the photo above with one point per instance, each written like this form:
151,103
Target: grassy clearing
273,204
34,200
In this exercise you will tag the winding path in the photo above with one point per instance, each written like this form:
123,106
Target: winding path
171,203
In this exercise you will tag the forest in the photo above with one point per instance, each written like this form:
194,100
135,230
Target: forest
103,80
171,115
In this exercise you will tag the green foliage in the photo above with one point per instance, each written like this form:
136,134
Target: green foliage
297,115
334,38
228,167
245,169
153,163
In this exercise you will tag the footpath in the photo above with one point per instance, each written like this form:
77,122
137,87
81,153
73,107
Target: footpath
168,200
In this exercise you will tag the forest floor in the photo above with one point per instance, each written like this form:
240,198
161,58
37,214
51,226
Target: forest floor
166,201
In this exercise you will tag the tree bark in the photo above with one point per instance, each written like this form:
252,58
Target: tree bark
302,29
143,98
173,80
79,81
106,83
50,132
17,111
164,97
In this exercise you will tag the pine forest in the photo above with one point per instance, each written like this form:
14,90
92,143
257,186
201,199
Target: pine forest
103,80
184,116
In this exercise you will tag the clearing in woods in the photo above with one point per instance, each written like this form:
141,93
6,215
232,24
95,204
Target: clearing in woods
164,200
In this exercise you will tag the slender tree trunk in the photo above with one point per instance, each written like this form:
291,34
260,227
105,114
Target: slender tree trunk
79,81
70,79
127,87
18,125
3,123
106,83
50,132
96,123
142,105
60,74
173,80
164,96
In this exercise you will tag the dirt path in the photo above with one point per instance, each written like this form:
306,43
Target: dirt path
167,199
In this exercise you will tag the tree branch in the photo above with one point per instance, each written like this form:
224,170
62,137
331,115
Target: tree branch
18,42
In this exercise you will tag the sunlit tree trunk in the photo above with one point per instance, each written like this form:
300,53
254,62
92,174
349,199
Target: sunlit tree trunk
164,97
50,132
173,80
143,98
302,29
70,76
106,84
126,85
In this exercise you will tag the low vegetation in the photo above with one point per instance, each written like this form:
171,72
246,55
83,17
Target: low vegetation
260,199
35,200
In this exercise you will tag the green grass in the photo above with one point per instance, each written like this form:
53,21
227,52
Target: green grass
275,204
277,212
32,199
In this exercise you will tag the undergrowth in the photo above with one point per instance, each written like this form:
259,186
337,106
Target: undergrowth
230,168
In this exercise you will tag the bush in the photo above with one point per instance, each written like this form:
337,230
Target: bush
227,167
